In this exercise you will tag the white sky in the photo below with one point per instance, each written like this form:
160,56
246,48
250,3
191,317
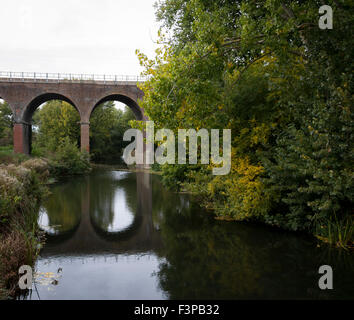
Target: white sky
76,36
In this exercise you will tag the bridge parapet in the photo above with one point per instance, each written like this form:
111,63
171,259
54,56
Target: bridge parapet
9,76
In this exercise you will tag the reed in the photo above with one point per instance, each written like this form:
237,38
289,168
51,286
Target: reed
337,232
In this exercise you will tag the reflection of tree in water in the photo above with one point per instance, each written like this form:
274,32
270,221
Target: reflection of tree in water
204,258
63,207
164,201
103,190
207,259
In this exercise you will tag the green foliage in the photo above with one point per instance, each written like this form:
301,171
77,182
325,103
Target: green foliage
107,127
21,190
282,85
339,232
58,120
6,124
55,121
174,176
69,160
57,135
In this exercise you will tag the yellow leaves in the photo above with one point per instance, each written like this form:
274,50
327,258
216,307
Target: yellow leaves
252,136
243,167
244,131
260,134
242,191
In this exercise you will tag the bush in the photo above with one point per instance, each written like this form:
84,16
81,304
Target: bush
240,195
173,176
21,190
69,160
38,165
10,190
310,169
8,156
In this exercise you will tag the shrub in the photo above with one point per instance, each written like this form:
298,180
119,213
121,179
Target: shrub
38,165
21,190
174,175
241,195
10,193
8,156
69,160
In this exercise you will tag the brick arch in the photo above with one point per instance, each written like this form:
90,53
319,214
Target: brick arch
27,112
42,98
3,97
24,95
124,98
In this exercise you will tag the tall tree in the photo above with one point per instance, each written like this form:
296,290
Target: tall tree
267,71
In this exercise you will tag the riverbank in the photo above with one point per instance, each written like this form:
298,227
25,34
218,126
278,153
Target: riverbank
223,196
23,185
22,188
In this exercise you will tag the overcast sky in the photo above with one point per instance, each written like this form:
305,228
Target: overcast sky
76,36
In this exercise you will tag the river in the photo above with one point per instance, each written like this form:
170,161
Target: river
122,235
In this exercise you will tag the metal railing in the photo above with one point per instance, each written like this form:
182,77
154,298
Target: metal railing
70,77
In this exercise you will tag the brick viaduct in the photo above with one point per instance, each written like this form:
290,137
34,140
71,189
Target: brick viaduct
25,95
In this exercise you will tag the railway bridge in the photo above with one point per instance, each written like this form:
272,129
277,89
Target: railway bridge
25,92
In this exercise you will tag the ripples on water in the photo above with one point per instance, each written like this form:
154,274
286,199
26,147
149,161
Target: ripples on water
121,235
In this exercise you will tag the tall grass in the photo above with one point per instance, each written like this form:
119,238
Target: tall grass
8,156
21,190
337,232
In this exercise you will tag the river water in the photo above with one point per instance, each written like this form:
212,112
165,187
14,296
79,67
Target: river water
122,235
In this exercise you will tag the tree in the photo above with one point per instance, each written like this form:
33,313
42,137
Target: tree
107,127
58,121
6,124
55,121
266,71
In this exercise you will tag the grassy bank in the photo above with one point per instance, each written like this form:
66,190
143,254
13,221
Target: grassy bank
23,185
22,188
7,156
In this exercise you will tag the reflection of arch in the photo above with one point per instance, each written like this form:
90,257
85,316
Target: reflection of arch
61,237
126,100
120,181
119,235
140,236
36,102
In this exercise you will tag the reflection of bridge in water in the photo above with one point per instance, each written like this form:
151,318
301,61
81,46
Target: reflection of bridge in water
89,239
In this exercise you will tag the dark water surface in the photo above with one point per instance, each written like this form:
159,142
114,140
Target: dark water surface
121,235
